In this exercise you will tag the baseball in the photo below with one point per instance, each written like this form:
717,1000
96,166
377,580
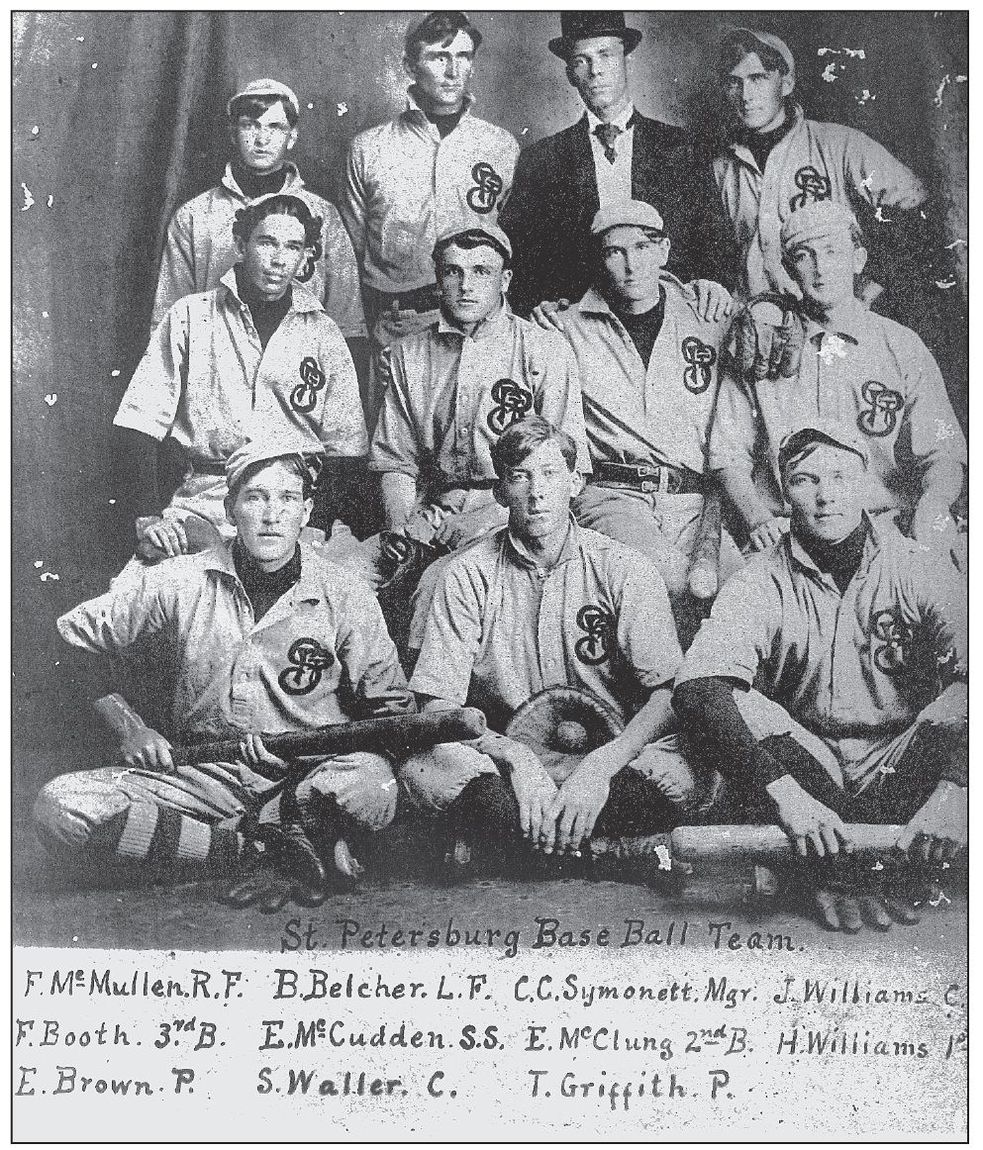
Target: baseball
570,737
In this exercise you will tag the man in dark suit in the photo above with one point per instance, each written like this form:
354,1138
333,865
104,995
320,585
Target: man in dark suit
611,154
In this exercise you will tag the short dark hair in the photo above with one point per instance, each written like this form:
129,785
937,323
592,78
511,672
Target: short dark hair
254,106
468,241
739,44
282,204
438,28
294,461
520,440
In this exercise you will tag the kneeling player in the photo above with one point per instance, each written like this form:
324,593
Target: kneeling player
854,635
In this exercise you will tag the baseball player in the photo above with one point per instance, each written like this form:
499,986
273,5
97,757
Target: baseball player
776,161
648,366
435,166
257,352
199,250
454,388
855,637
855,367
261,637
542,603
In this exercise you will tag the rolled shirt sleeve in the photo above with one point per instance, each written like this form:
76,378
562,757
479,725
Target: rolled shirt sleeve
150,403
451,639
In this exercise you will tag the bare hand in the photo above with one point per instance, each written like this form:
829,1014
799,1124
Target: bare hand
254,754
578,804
547,314
769,533
939,829
159,538
147,749
807,821
534,790
769,335
711,301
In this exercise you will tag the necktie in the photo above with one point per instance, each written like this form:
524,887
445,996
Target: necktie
607,134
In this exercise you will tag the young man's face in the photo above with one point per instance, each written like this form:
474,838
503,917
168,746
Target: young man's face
537,493
273,254
633,262
598,69
825,491
825,268
471,282
269,512
442,74
263,142
757,96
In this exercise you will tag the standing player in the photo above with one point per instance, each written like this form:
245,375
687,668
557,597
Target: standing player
261,638
199,250
855,636
434,167
856,367
544,603
256,352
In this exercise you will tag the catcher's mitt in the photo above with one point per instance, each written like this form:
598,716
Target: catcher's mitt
768,335
563,725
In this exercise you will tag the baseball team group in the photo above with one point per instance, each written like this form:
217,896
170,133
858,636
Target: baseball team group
608,439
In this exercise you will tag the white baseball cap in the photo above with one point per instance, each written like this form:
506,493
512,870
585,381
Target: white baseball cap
626,213
266,88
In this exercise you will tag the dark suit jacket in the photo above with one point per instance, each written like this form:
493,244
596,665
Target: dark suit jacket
554,199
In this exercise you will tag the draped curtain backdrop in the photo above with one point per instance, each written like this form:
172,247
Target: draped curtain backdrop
120,117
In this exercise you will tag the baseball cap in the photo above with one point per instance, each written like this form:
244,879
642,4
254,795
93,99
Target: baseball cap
769,40
263,449
626,213
492,231
266,88
816,220
838,435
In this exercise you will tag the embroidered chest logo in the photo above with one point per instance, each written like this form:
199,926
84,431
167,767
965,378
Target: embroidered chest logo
488,185
598,626
812,188
701,357
512,401
305,395
895,637
310,660
881,417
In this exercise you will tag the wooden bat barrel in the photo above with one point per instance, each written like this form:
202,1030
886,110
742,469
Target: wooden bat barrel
400,734
737,843
703,571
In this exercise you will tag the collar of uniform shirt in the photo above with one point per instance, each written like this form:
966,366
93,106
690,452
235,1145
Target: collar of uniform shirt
736,143
301,299
291,181
520,554
850,321
620,121
486,328
413,109
595,304
805,560
308,588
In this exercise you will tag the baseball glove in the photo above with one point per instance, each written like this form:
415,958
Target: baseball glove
563,725
768,337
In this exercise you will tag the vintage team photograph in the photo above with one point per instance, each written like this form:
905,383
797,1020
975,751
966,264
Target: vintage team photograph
491,471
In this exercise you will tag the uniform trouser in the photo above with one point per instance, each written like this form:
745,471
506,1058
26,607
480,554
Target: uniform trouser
435,778
128,820
892,775
386,326
664,528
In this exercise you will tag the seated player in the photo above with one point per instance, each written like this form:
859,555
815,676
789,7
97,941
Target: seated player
450,392
537,604
261,637
648,372
255,354
856,367
854,635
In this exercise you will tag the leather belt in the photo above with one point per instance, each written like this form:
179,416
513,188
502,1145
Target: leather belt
649,477
420,299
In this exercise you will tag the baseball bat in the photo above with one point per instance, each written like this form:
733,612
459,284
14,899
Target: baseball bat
729,844
703,577
399,733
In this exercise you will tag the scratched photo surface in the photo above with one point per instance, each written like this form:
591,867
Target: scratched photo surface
560,1004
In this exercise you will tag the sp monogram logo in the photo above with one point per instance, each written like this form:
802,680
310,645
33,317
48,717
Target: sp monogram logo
512,401
304,395
895,637
310,660
701,357
598,626
812,188
488,185
881,417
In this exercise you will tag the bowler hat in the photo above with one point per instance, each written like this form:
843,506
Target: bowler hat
576,26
